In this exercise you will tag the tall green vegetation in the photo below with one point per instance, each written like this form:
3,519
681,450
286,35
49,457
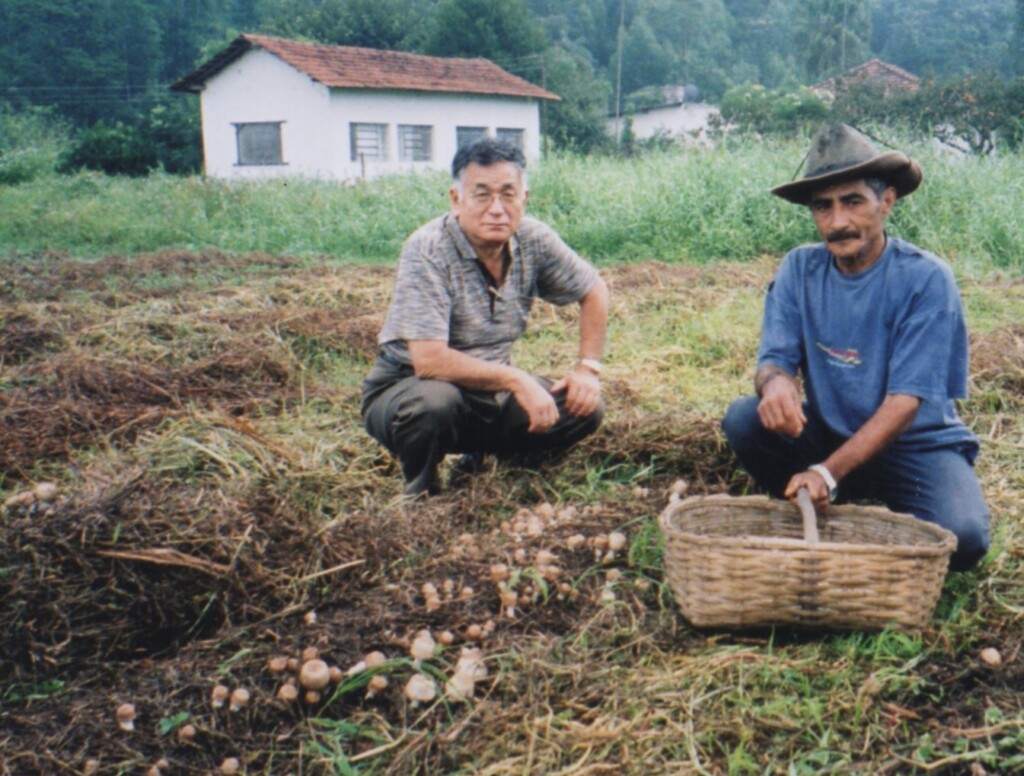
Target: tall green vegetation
674,205
32,144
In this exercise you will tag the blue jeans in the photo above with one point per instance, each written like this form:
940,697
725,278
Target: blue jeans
937,485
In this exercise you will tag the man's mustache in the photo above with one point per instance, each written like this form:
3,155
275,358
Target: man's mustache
841,235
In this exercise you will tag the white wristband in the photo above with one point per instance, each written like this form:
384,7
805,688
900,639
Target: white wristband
592,364
826,475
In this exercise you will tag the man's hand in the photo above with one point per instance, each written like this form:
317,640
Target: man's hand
537,402
583,391
780,408
816,486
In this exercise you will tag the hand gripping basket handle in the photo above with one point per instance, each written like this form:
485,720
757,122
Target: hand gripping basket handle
803,500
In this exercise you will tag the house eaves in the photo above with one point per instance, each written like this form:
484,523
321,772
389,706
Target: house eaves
352,67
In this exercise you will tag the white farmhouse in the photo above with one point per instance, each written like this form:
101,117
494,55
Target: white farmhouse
676,118
273,107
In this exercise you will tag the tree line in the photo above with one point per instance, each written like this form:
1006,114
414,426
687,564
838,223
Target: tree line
100,69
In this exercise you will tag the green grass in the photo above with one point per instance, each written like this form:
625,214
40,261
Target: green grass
676,205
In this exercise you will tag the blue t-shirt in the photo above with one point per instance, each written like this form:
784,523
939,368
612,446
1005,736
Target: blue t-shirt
896,327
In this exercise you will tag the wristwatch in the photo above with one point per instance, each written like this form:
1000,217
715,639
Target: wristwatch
826,475
592,364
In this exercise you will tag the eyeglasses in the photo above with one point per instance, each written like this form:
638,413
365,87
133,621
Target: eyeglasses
507,199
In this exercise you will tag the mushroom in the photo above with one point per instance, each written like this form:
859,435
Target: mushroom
90,767
239,699
373,659
315,675
277,665
990,656
229,766
446,637
429,590
218,695
187,733
44,491
126,716
162,764
545,510
461,686
472,659
376,685
312,697
474,632
432,603
293,664
534,525
576,540
422,647
310,653
520,556
153,771
499,572
466,592
419,689
616,542
335,674
288,693
545,558
508,602
309,617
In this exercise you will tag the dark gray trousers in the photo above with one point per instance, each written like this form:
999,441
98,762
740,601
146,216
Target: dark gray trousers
421,421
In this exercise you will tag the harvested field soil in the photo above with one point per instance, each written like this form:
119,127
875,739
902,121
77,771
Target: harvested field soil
189,495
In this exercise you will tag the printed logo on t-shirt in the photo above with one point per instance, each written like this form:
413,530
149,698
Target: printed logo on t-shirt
845,358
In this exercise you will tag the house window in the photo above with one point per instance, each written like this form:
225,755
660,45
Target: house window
259,143
414,143
369,141
466,135
516,137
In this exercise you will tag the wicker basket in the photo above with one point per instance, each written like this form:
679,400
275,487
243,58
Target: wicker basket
736,562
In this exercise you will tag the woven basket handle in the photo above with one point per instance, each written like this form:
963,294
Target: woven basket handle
803,500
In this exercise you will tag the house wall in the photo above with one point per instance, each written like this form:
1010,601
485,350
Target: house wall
316,121
687,122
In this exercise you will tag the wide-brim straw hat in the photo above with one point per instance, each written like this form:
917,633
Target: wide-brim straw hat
840,153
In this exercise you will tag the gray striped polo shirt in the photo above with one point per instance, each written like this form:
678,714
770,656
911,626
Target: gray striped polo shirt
441,292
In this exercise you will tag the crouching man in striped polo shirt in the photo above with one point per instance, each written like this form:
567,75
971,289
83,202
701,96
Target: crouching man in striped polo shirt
444,381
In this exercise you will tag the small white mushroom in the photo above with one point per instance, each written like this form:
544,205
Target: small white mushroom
460,686
239,699
466,593
312,697
288,693
309,617
187,733
229,766
315,675
576,540
499,572
472,659
376,685
45,491
429,590
616,543
162,764
474,632
219,695
432,603
419,689
446,637
422,647
310,653
336,674
126,716
990,656
508,602
90,767
534,525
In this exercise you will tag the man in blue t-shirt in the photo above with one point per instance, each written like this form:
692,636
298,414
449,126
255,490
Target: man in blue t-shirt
875,330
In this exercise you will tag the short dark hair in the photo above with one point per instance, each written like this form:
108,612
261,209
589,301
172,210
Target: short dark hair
485,152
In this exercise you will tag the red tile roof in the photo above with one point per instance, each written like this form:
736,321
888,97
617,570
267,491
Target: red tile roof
349,67
874,71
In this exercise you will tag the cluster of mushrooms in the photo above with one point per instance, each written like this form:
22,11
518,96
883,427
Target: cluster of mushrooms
39,499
